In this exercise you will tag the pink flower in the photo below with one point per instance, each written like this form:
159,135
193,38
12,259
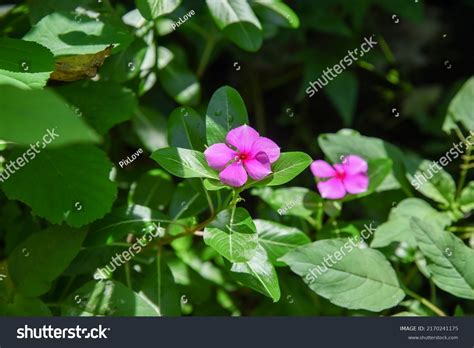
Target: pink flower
245,152
348,177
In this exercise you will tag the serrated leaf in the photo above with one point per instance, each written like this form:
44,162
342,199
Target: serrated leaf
238,22
74,34
183,163
450,261
278,239
102,104
27,123
31,271
70,184
16,63
358,279
233,235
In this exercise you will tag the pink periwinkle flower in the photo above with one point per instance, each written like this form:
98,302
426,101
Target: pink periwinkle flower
244,154
350,176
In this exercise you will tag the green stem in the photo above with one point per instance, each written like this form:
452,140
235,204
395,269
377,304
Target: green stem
461,229
319,216
464,170
425,302
206,55
128,275
209,200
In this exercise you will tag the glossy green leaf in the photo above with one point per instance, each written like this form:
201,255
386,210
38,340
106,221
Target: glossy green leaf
238,22
233,235
347,276
31,271
153,189
450,261
226,110
73,180
108,298
187,201
186,129
16,63
184,163
278,13
461,108
466,199
278,239
152,9
258,274
286,168
296,201
398,230
150,127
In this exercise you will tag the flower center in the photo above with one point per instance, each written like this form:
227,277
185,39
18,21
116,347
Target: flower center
340,175
242,156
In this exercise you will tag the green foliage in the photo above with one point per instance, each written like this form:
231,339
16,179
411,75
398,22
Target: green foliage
120,214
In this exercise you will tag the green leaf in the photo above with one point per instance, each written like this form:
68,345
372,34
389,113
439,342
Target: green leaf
187,201
378,171
153,189
27,123
434,183
450,261
102,104
349,142
183,163
177,79
186,129
278,13
259,274
357,279
466,199
150,127
238,22
278,239
397,229
74,34
233,235
343,92
123,220
69,184
226,110
27,307
152,9
295,201
16,63
108,298
461,108
159,286
31,271
285,169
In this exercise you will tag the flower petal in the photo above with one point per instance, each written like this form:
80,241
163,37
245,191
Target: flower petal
357,183
242,138
354,165
258,167
218,155
332,189
234,175
263,144
322,169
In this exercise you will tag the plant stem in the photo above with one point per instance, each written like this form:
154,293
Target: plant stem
206,55
425,302
464,170
127,275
